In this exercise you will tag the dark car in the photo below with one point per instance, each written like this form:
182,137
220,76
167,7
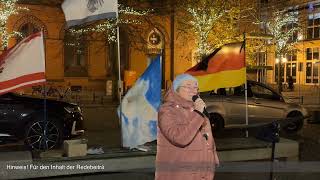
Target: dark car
42,123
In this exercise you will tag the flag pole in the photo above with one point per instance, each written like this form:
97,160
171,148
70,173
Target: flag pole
164,85
246,85
119,77
45,89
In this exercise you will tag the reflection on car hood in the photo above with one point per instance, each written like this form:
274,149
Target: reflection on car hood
291,100
292,104
40,100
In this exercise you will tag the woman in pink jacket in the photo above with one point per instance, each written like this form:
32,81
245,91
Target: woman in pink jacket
185,145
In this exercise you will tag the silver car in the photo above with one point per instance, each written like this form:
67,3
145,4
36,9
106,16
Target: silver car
227,107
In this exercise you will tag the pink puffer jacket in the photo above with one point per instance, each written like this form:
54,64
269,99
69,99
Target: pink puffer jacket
183,151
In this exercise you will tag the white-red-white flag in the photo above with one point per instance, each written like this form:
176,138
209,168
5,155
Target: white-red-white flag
23,65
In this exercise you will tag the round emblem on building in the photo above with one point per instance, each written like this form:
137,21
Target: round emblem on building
154,38
154,41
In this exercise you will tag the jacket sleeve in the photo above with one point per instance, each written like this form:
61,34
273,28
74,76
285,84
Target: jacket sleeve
215,154
179,134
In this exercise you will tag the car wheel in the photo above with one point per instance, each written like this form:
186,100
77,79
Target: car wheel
43,135
294,126
216,122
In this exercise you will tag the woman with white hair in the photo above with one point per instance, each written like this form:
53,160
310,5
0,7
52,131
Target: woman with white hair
185,145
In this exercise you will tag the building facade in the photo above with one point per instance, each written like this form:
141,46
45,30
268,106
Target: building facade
93,64
89,61
302,63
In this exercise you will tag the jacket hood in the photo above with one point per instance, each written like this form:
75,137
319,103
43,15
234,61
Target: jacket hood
172,98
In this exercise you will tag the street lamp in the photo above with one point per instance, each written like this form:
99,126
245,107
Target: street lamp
284,60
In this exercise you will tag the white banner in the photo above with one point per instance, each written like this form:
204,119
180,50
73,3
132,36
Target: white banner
83,11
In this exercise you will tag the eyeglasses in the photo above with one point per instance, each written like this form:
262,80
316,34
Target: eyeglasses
191,88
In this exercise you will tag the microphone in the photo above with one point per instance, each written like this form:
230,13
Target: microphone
205,112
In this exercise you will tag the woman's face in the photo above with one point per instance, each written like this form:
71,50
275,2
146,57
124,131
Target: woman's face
188,89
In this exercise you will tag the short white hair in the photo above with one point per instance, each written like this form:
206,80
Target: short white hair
180,78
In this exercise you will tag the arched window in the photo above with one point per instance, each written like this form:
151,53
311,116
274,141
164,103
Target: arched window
75,55
29,24
26,30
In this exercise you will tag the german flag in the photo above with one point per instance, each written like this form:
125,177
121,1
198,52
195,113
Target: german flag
225,67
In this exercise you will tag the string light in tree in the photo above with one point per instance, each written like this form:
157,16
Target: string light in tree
7,9
212,24
277,26
108,26
202,24
281,36
130,11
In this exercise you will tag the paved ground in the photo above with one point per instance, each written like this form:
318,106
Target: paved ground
104,129
309,139
102,126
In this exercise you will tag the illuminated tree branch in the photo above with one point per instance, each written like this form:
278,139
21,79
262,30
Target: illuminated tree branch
7,9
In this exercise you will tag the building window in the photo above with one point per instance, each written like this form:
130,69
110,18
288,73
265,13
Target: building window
26,30
264,1
294,36
313,26
312,65
261,59
291,65
292,27
281,72
75,55
288,67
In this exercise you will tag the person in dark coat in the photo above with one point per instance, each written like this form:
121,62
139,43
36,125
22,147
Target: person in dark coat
185,146
290,83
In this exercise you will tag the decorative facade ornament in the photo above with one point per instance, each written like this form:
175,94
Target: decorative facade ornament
93,5
154,38
155,42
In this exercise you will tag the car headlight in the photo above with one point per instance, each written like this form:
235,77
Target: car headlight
73,109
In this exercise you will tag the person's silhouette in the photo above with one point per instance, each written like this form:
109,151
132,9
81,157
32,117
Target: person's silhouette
290,83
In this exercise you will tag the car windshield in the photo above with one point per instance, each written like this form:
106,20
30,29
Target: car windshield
237,91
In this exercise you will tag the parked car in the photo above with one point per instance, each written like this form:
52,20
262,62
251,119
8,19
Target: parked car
42,124
227,107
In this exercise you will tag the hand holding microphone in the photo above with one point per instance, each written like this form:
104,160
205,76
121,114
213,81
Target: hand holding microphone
199,105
